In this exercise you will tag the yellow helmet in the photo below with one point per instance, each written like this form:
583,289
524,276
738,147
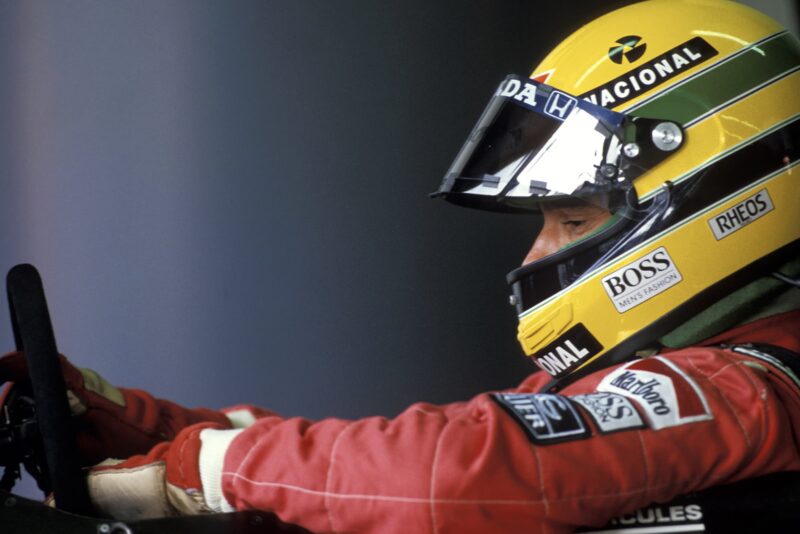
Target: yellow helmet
682,117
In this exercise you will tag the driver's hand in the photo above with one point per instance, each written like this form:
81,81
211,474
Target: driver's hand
112,422
181,477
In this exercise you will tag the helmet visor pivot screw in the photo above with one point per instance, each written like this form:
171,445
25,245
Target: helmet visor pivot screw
667,136
631,150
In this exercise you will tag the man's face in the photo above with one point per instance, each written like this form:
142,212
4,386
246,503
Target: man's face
563,224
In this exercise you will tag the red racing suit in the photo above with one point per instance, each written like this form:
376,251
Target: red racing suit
517,461
504,462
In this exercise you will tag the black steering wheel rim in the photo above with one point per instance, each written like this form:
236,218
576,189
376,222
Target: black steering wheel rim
33,334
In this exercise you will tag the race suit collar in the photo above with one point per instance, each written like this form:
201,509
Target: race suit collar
782,329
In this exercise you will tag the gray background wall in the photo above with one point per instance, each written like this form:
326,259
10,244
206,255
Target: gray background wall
227,200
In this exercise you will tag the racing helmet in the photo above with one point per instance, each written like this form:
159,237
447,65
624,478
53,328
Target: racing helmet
680,117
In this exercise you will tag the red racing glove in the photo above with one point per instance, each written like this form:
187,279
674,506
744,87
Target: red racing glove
112,422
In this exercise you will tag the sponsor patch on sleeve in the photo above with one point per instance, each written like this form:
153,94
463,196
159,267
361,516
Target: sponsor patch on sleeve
610,412
667,396
546,418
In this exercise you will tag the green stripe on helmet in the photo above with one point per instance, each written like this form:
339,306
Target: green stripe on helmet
724,83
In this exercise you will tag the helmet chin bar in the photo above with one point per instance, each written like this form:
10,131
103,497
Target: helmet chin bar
649,335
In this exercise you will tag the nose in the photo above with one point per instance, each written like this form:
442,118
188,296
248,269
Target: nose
547,242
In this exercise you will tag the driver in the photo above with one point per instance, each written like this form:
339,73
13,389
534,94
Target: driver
659,301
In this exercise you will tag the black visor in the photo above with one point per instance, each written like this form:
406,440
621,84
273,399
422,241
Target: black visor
534,143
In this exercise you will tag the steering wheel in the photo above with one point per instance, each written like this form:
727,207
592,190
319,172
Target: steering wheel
33,334
38,431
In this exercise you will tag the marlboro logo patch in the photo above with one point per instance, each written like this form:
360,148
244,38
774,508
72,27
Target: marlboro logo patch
610,412
667,396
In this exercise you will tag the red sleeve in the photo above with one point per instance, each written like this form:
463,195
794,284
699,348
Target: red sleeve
518,461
